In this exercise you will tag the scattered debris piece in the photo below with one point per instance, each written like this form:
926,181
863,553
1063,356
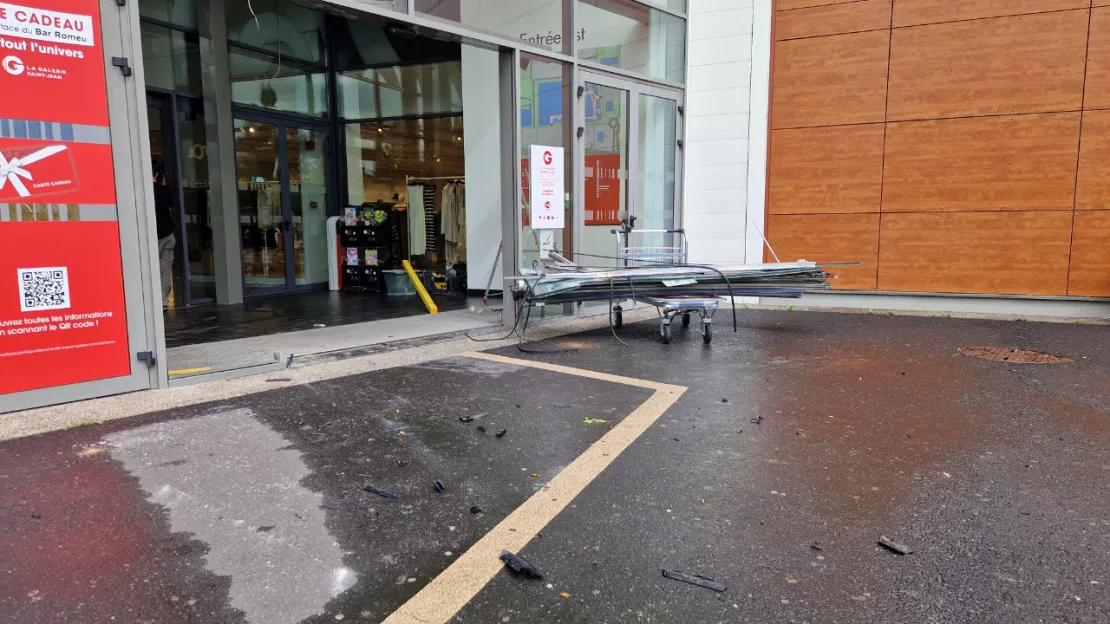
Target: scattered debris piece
892,545
402,433
440,487
758,420
520,565
382,493
90,452
700,581
266,529
560,405
501,434
278,380
724,400
401,463
816,546
1013,356
330,423
339,616
306,428
594,421
321,325
475,509
564,594
469,418
946,475
536,475
481,429
791,581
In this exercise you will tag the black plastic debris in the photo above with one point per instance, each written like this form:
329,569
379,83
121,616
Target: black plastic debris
278,379
693,579
440,487
474,509
382,493
469,418
724,400
481,429
266,529
894,546
520,565
560,405
401,463
758,420
501,434
816,546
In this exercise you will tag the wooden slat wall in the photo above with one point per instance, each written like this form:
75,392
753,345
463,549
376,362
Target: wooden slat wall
953,146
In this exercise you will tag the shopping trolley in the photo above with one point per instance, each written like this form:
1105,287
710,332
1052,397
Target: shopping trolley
664,248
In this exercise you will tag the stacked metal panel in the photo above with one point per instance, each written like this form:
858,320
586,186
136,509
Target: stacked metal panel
565,283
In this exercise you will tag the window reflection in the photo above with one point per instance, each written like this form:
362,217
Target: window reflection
263,81
632,36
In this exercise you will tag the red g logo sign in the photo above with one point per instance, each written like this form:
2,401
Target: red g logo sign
547,158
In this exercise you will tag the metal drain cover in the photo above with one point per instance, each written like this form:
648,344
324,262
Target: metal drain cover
1013,356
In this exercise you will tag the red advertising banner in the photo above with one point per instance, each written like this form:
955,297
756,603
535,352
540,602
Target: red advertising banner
62,318
51,62
56,172
63,314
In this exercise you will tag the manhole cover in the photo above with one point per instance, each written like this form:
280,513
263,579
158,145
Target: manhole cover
1014,356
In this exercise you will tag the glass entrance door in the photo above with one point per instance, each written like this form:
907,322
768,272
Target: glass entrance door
283,204
630,160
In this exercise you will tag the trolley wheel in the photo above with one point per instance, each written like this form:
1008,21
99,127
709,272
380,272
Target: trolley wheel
618,317
707,333
665,332
686,319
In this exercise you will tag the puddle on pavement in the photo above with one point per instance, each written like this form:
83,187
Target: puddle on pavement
235,484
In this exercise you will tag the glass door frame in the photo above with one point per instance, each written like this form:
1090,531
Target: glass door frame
283,123
166,103
635,89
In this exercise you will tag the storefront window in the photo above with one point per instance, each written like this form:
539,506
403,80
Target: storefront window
674,5
536,22
388,154
277,26
264,81
399,91
631,36
192,135
171,59
545,92
177,12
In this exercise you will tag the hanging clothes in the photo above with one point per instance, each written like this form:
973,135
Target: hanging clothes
460,214
417,235
449,222
430,219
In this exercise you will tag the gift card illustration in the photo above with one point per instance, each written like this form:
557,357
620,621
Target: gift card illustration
30,172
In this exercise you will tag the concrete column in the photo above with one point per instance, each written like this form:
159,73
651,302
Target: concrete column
482,134
220,132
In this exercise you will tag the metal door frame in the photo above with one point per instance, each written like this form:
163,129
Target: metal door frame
283,123
634,88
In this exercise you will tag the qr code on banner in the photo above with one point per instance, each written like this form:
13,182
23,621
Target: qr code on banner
43,289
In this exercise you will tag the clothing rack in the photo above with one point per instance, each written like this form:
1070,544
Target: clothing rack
411,179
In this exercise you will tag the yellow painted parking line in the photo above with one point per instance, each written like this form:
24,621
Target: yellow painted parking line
189,371
456,586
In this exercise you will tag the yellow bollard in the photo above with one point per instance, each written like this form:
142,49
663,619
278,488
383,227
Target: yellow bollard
431,305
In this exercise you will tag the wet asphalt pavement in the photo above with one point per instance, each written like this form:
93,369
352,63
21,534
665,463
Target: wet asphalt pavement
996,475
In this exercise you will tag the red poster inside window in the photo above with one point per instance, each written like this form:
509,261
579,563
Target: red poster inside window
63,316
